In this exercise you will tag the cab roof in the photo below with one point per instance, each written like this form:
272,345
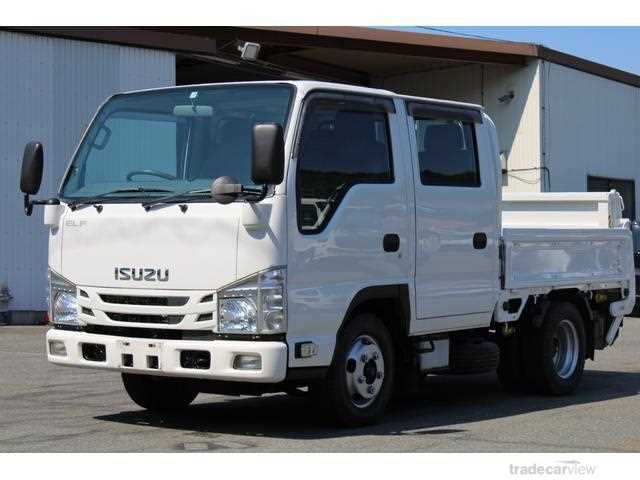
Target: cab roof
305,86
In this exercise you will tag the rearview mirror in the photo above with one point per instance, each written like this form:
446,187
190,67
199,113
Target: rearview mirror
31,176
193,111
32,165
267,154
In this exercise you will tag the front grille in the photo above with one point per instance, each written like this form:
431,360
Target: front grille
207,298
174,334
139,318
149,301
155,333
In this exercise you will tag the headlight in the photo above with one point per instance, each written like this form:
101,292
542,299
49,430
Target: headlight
254,305
238,314
63,301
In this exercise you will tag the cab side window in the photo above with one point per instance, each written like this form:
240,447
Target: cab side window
447,152
340,146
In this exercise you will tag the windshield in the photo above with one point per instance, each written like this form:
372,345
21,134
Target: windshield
173,140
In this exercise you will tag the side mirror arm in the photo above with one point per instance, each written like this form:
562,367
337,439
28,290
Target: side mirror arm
260,193
28,203
226,189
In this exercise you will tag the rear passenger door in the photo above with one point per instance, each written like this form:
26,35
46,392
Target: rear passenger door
456,218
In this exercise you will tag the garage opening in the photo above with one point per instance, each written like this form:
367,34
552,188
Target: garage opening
195,69
626,188
506,90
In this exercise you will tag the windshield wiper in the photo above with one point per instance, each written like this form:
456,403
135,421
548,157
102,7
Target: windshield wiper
176,196
92,200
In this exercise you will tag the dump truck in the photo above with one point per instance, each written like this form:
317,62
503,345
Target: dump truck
322,239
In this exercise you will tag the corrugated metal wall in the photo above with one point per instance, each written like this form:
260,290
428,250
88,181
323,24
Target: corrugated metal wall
462,83
517,120
49,90
591,127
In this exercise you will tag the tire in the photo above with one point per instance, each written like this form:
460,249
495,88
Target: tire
554,353
364,361
510,371
158,393
472,356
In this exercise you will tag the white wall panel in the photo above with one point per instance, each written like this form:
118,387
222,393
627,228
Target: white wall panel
518,123
49,90
517,120
462,83
592,127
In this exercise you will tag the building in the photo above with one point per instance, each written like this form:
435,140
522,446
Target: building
565,123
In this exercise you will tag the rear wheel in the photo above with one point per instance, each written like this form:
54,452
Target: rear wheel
158,393
510,372
555,352
360,379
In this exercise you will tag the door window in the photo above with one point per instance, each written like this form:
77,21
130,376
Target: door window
340,146
447,153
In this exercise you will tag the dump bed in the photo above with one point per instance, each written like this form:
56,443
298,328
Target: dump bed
563,210
559,240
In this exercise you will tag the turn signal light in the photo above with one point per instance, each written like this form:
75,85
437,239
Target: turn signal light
57,348
247,362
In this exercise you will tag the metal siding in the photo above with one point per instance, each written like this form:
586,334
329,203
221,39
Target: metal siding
49,90
517,121
463,83
592,127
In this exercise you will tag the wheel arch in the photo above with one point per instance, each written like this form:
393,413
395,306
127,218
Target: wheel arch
391,304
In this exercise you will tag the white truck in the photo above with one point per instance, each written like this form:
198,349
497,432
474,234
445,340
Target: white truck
318,238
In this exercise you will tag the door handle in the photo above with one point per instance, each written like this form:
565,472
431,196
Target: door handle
391,242
479,240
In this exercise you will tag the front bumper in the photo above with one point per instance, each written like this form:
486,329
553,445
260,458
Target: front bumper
168,353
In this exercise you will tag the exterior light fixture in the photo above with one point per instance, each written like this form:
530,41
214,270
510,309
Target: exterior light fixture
249,51
507,97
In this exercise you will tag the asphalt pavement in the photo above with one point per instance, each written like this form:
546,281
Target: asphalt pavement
45,408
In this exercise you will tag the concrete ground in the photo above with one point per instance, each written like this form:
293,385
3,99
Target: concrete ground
44,408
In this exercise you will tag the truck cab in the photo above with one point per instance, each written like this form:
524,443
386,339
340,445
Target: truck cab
310,238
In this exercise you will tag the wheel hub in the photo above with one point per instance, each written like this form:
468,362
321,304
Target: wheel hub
364,370
566,349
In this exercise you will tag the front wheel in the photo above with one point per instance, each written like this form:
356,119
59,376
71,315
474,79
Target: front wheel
158,393
361,376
